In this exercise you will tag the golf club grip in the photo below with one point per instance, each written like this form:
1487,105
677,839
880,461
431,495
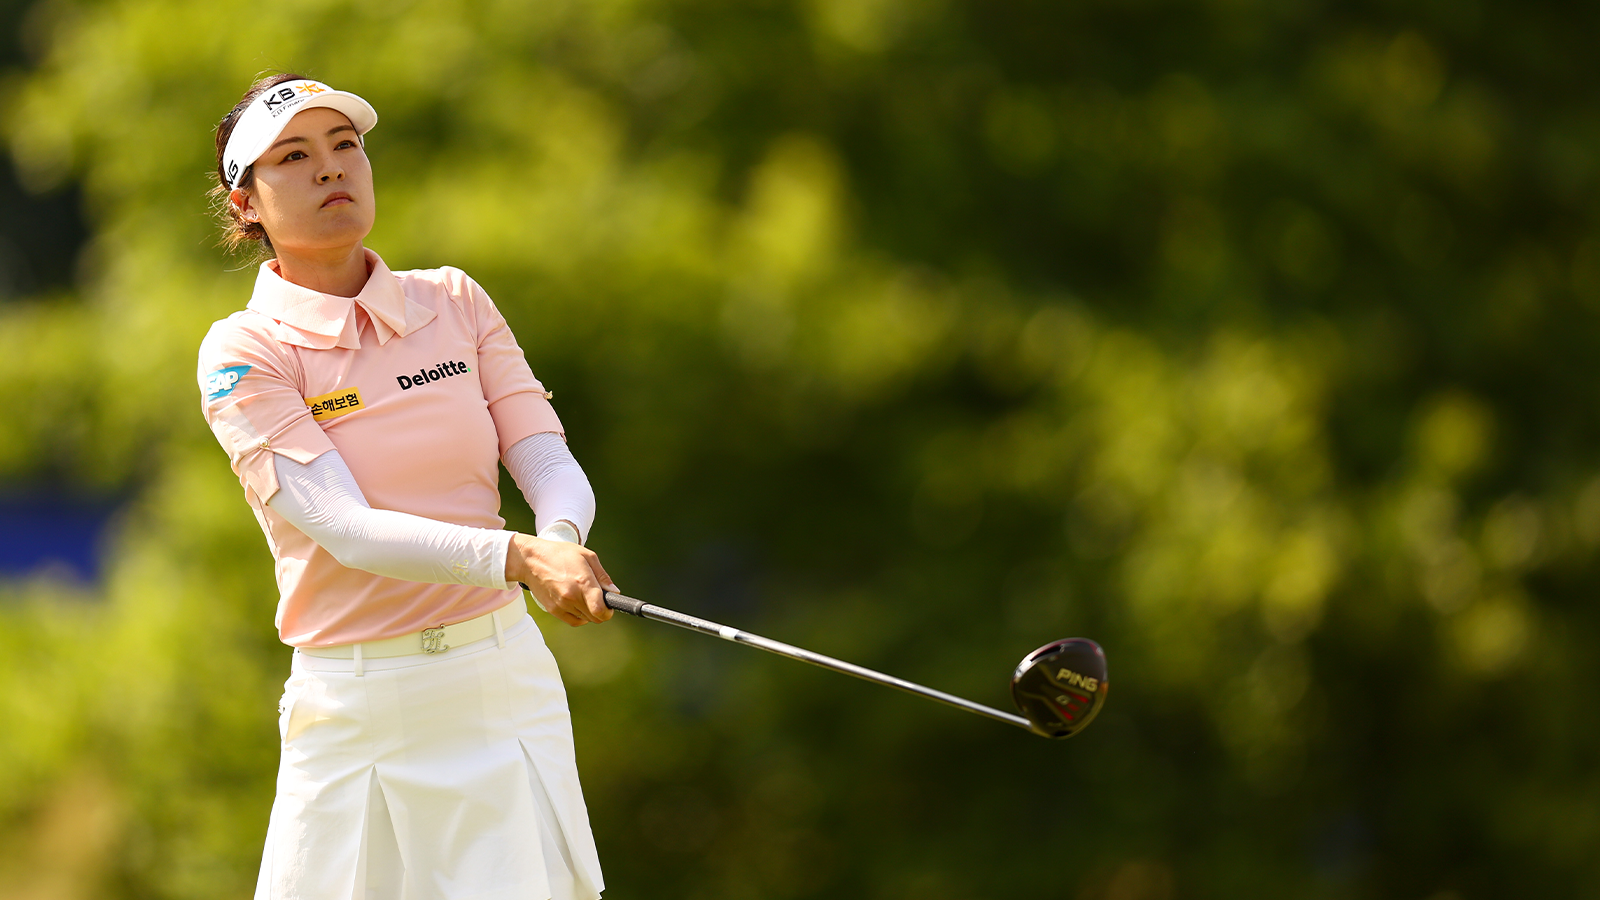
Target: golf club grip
639,608
670,616
625,604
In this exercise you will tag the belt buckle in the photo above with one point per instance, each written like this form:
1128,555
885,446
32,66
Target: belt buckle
433,640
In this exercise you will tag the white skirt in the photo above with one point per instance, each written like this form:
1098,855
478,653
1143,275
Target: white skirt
442,777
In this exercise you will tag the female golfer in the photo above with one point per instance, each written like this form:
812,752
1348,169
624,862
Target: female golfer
427,749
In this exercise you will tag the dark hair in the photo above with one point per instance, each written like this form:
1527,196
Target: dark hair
236,232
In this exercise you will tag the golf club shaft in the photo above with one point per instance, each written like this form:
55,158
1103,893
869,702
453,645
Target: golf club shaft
728,633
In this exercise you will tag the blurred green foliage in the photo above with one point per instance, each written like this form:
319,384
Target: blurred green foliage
1253,339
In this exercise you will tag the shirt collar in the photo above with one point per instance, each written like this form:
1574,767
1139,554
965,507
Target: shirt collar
321,321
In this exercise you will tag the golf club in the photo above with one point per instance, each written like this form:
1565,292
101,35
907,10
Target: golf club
1058,688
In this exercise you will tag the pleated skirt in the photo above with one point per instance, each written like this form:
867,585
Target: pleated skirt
430,777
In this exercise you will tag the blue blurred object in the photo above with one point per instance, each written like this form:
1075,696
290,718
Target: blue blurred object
42,533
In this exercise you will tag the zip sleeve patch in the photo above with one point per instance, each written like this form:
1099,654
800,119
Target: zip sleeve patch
335,404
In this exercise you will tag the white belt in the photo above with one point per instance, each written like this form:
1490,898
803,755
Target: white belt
429,640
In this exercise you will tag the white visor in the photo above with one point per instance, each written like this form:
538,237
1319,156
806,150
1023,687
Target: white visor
267,115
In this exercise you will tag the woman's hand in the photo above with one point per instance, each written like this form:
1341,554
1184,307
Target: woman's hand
565,579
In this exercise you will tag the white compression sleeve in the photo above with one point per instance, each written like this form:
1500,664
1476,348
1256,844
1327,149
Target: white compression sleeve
552,482
323,500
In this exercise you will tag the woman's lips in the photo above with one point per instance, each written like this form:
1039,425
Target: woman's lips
337,199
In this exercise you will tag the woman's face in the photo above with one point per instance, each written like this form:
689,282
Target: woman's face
313,186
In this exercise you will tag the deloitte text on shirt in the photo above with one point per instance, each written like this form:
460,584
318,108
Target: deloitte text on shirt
423,376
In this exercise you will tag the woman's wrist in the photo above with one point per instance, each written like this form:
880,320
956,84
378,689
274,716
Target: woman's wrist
517,558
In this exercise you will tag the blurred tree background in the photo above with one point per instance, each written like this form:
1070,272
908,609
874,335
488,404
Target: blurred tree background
1254,339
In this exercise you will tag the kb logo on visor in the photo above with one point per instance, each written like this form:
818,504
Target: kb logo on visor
275,100
283,95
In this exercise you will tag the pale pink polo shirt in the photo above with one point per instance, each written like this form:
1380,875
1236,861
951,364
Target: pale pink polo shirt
420,396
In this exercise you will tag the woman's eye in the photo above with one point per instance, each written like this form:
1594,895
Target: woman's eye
294,155
344,144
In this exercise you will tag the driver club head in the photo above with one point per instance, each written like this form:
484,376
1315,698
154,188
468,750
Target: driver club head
1061,686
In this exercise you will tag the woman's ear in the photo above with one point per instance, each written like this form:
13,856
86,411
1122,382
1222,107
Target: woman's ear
239,199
